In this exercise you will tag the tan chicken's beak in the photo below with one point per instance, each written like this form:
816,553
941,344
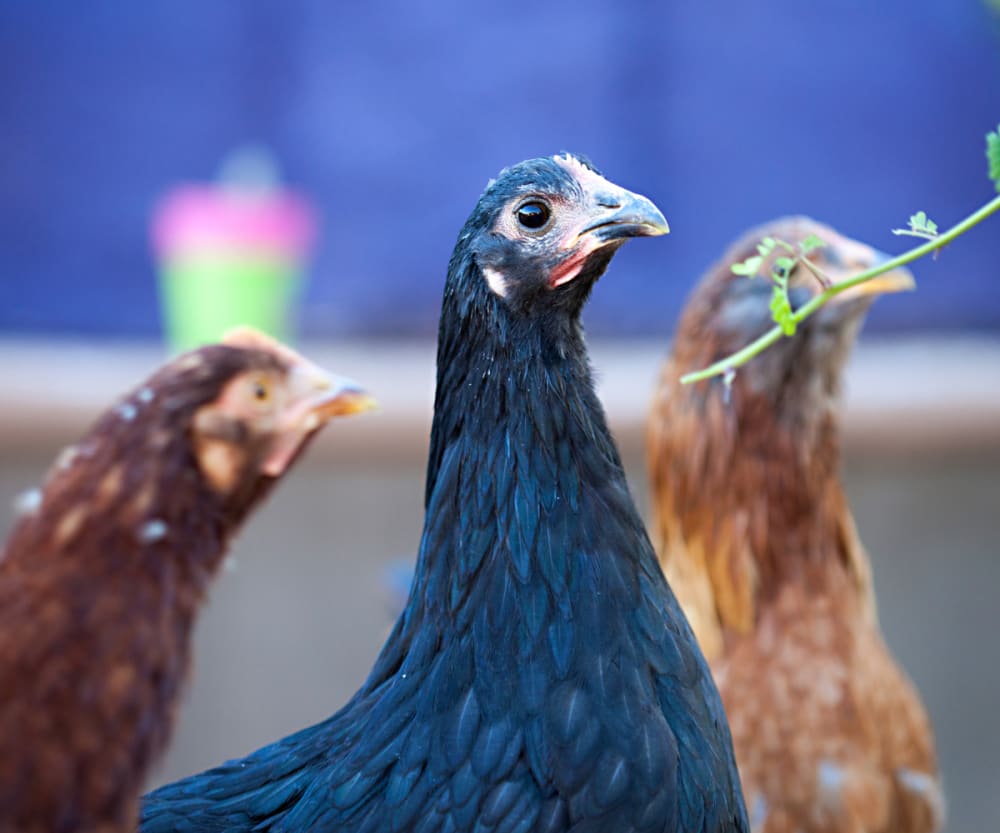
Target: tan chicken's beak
897,280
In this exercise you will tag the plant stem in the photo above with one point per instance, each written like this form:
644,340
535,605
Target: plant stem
741,357
819,274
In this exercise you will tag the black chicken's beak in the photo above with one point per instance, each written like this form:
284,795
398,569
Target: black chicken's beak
622,214
613,215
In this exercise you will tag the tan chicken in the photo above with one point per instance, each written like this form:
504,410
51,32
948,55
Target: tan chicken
755,535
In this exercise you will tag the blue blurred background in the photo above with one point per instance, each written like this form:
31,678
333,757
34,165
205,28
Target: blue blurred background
393,115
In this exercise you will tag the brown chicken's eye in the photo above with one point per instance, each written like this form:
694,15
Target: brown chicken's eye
261,392
533,215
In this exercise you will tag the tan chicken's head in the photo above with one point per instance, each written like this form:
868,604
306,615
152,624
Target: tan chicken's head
727,311
744,472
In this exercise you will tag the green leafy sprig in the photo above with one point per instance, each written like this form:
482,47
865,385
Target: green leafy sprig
920,226
786,320
993,156
782,268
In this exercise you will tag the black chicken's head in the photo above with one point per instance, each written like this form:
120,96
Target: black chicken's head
544,231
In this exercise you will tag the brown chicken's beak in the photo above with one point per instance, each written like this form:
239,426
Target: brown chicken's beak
316,397
338,396
319,396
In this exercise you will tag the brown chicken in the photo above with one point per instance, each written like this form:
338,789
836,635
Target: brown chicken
755,535
102,577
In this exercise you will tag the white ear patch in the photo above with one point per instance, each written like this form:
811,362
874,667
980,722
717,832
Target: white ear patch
495,281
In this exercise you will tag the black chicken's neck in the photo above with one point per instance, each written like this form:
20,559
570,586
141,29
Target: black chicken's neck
495,404
527,501
491,363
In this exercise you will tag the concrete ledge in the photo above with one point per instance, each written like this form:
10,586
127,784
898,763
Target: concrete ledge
903,396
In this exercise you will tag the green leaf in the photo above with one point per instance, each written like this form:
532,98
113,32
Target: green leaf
993,156
811,243
748,267
781,310
766,246
920,222
920,226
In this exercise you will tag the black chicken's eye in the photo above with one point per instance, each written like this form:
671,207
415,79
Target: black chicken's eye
260,391
533,215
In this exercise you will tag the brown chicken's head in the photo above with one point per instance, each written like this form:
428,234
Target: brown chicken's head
265,403
745,478
184,457
799,375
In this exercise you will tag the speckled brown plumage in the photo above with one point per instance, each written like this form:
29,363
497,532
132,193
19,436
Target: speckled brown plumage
102,576
756,538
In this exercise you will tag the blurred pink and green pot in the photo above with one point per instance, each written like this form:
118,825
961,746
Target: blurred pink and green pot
229,256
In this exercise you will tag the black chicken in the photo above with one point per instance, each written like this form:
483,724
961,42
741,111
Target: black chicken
542,676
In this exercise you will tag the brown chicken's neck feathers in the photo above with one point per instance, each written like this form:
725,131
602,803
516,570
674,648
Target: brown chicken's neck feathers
102,578
129,497
746,505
